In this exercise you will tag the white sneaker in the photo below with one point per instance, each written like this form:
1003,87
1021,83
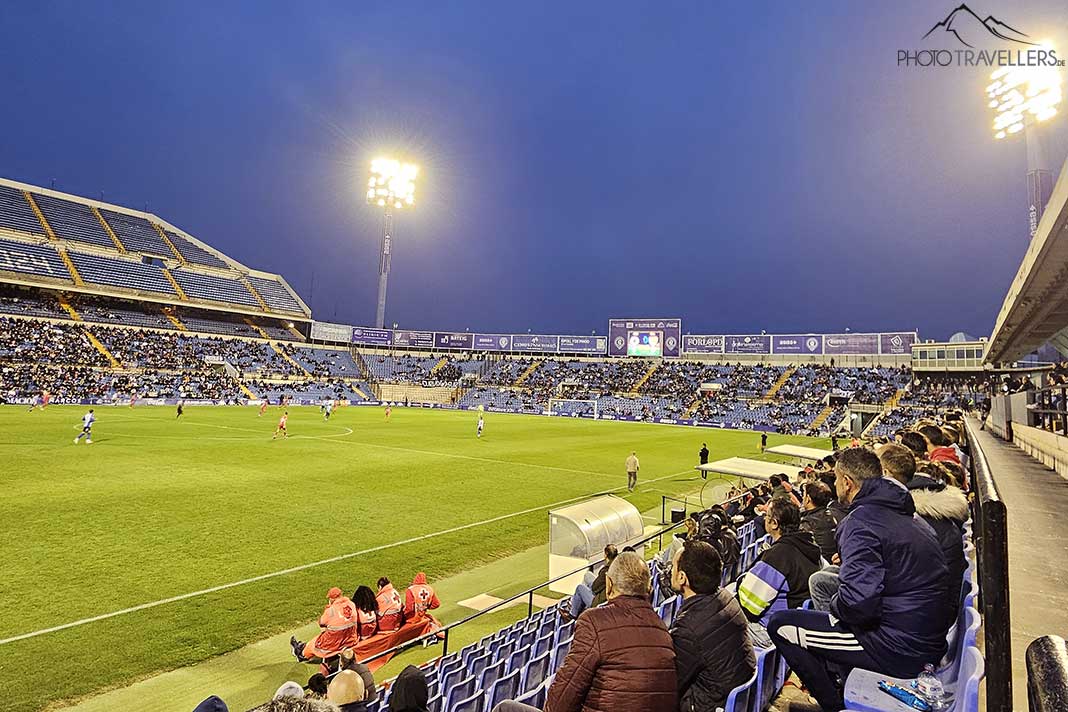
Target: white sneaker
88,442
75,441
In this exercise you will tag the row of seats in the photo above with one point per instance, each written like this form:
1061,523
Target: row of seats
135,233
195,253
16,213
97,269
214,288
73,221
278,298
31,258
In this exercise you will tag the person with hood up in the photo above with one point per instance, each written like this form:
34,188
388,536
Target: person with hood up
390,606
419,600
779,578
410,692
339,630
888,615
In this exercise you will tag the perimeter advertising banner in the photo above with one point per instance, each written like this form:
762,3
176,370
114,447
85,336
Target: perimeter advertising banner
644,337
583,344
493,342
451,340
414,339
897,344
797,344
326,331
535,342
371,337
747,344
851,344
702,344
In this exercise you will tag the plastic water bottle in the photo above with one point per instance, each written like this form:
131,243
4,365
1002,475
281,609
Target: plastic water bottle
930,689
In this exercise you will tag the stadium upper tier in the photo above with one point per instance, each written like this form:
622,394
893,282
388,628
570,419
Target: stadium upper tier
50,238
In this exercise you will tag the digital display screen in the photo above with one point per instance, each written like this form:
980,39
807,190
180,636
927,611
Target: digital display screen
645,343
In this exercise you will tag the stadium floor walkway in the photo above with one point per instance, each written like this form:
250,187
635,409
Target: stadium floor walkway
1036,498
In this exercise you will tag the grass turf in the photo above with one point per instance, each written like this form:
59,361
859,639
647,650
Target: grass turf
157,508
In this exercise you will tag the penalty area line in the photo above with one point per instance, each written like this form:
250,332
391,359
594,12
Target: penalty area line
314,564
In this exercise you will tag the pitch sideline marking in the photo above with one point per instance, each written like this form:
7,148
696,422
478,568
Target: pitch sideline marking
304,567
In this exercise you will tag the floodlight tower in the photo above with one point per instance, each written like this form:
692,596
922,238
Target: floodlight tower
390,187
1022,98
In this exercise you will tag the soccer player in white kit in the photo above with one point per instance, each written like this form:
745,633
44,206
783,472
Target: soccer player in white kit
481,423
87,428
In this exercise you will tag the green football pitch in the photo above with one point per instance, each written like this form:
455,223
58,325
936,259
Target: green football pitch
168,542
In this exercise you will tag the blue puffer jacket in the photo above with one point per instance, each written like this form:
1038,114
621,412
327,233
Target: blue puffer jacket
893,579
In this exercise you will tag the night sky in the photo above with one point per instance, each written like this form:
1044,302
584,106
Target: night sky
759,165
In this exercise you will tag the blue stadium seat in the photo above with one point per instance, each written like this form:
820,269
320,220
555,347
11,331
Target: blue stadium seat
469,704
519,659
277,296
434,704
535,671
136,234
561,652
214,288
194,253
504,688
16,213
73,221
767,684
121,272
460,690
30,258
489,674
740,698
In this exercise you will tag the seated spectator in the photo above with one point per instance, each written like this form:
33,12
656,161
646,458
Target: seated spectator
916,443
366,612
888,613
938,446
944,507
346,691
212,704
665,559
390,606
409,692
289,689
339,630
420,599
317,685
621,657
819,520
779,578
713,654
592,594
347,661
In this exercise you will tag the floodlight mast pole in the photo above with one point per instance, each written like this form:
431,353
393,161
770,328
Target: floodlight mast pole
1039,175
384,264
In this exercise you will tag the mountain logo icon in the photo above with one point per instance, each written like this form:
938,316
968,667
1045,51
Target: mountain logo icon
967,27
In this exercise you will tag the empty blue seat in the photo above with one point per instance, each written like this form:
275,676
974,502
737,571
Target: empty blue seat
460,690
536,671
16,213
767,684
30,258
561,652
542,645
519,659
468,704
504,688
490,673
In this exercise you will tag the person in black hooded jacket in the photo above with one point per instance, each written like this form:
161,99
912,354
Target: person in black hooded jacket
779,578
713,654
410,692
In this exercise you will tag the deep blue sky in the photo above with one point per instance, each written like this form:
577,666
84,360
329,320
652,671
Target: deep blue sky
760,165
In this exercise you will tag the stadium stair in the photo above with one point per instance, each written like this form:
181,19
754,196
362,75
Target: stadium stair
62,299
282,352
693,407
642,381
169,244
107,228
174,319
41,218
258,328
174,284
439,365
822,417
102,349
70,266
892,402
246,391
526,374
254,293
778,384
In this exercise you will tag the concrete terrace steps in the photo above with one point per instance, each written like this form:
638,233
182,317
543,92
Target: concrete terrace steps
766,398
527,373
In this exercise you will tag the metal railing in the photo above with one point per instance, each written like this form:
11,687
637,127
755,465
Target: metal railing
1047,674
992,550
528,594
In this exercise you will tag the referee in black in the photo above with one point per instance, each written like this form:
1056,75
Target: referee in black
704,459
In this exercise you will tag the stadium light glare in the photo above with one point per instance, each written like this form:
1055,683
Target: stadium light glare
391,186
1021,95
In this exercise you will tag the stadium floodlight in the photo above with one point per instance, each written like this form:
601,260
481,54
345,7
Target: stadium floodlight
1021,99
391,186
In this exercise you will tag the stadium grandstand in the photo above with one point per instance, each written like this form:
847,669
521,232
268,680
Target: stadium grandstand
217,500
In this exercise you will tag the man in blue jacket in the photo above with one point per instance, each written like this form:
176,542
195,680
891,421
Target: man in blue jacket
888,613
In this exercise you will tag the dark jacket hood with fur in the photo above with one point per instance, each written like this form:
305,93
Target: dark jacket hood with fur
936,500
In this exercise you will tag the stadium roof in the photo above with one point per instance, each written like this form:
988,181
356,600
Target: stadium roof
1036,307
58,240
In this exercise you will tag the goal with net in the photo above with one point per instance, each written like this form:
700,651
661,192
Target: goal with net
572,406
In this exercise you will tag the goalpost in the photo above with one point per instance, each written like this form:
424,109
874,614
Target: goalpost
555,402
